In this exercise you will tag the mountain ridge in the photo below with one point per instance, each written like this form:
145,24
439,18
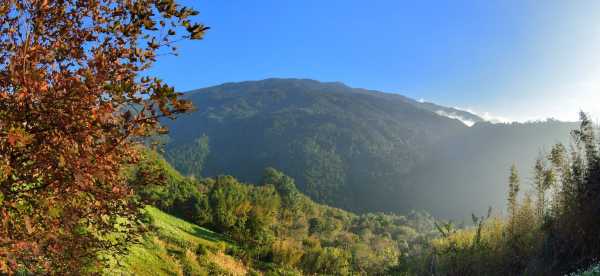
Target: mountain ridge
358,149
441,110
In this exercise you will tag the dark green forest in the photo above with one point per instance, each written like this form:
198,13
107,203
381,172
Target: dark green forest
355,149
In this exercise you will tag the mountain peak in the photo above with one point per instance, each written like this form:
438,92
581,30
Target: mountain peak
305,84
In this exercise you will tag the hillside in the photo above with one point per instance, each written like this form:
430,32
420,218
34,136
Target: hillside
268,227
469,173
356,149
173,248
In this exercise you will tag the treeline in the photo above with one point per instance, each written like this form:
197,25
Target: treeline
551,229
278,228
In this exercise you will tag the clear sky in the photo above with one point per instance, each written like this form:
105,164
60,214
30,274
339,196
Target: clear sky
518,60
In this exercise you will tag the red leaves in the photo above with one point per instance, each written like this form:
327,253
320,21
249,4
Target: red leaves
5,171
18,137
71,106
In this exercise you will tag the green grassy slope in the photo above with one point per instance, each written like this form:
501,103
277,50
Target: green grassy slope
177,247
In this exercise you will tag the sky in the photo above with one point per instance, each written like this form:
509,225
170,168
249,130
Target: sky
504,60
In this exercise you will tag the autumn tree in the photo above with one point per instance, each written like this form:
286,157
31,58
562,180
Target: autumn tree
73,102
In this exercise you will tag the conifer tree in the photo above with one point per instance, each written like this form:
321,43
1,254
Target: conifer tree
539,183
587,136
513,191
562,174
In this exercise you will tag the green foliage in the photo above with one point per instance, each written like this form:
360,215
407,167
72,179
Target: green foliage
327,261
554,235
166,188
593,270
513,191
189,159
278,229
168,248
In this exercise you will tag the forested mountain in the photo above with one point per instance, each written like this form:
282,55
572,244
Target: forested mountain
468,173
353,148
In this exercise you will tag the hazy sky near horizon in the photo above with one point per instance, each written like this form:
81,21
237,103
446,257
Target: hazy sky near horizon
512,59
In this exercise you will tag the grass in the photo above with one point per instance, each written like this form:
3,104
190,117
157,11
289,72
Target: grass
182,231
171,249
593,270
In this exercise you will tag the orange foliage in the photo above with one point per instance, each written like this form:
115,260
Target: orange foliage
72,105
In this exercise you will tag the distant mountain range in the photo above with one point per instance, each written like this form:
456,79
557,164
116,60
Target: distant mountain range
357,149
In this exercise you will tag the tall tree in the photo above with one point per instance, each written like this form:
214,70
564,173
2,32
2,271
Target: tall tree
561,168
585,137
73,100
513,192
539,183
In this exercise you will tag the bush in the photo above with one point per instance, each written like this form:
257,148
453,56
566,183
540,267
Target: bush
201,249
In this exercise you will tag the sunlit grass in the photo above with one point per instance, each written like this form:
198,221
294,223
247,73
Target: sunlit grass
170,249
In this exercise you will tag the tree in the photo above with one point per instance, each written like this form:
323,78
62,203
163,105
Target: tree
585,137
561,173
284,185
513,192
189,159
73,101
543,180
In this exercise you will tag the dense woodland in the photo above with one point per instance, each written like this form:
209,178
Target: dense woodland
355,149
274,224
330,138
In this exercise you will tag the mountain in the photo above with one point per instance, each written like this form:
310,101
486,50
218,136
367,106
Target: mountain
465,117
469,172
352,148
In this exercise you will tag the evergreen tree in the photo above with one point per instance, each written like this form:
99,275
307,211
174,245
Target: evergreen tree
513,191
539,183
190,158
562,174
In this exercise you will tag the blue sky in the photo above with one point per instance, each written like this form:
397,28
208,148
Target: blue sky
514,60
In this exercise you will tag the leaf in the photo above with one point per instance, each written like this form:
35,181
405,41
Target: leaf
28,225
18,137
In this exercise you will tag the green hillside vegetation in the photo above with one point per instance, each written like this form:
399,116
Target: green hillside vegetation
269,227
176,247
355,149
551,228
